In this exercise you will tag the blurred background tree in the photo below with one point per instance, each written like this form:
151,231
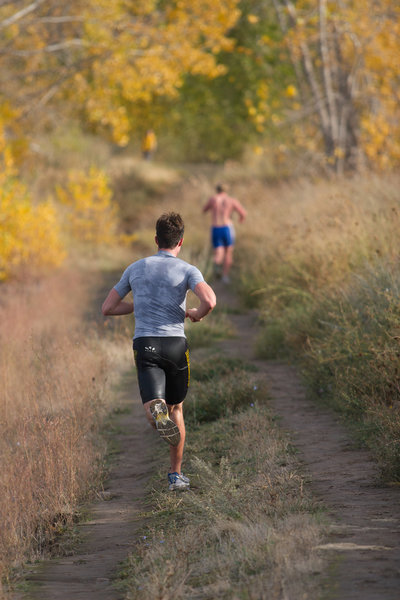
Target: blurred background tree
98,58
345,56
212,78
215,119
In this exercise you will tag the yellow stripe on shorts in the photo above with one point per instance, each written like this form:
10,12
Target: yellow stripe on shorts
188,364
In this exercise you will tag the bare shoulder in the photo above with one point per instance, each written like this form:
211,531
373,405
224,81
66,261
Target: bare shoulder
210,203
232,202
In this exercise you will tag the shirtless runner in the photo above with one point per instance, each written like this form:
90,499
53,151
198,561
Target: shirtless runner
222,207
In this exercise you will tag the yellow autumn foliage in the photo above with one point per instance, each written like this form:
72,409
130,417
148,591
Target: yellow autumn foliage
138,53
91,215
13,145
29,234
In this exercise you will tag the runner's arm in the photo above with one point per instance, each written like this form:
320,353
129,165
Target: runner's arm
239,209
114,305
209,205
207,298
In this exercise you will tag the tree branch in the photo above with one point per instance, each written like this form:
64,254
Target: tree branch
66,19
21,13
49,48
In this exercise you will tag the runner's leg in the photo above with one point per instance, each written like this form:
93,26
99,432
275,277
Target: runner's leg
228,260
176,452
219,255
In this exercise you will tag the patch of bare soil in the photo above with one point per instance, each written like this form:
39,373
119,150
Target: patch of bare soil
364,541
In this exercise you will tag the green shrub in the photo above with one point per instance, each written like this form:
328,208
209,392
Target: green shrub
218,387
215,327
218,366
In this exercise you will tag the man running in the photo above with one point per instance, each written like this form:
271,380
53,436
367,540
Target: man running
159,285
222,207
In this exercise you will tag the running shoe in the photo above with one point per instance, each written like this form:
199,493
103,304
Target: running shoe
178,481
184,478
167,429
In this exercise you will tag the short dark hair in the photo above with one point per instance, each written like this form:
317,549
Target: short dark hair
169,230
220,187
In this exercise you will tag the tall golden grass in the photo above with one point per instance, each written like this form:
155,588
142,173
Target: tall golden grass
320,232
54,374
319,229
321,262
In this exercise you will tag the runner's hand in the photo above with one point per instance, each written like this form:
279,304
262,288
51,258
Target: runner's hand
191,314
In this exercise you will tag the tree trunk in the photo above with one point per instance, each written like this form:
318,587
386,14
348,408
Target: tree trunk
329,84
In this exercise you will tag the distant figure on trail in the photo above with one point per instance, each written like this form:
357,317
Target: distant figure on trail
159,285
222,207
149,144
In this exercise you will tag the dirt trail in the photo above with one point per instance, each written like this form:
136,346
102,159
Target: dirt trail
364,543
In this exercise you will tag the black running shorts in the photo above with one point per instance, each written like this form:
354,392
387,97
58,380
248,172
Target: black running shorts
163,368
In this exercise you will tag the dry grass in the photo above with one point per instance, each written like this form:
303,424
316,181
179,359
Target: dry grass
53,372
352,360
312,235
247,529
321,263
318,230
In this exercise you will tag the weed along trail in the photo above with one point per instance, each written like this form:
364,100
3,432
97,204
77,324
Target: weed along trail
363,545
109,533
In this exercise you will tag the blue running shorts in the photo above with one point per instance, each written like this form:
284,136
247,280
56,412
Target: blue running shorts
222,236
